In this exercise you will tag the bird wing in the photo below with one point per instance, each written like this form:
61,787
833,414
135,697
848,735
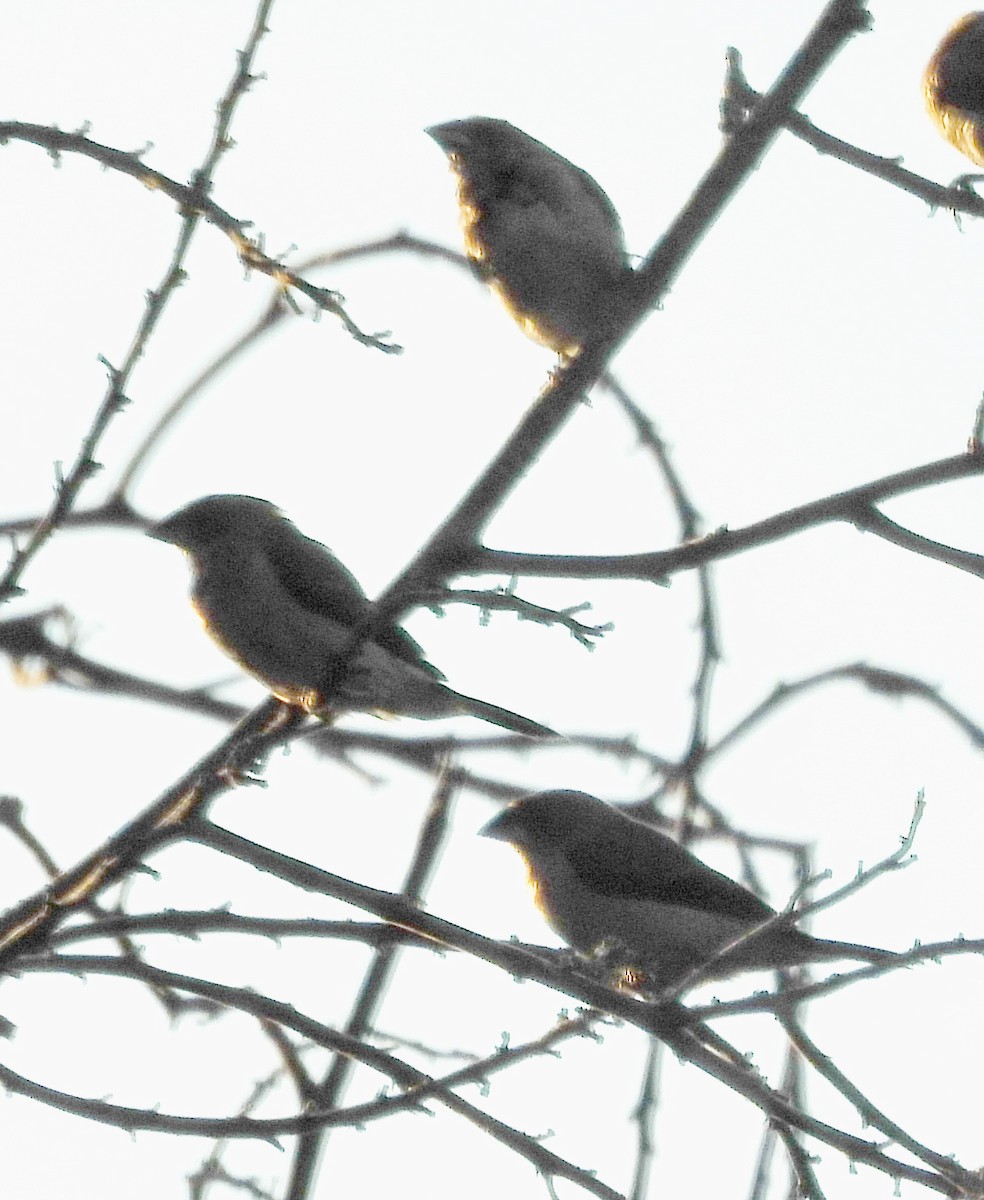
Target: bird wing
599,197
558,183
318,582
650,866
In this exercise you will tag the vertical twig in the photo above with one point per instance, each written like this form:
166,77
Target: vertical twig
85,466
329,1092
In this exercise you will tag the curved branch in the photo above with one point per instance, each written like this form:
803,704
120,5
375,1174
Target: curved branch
329,1091
275,312
417,1085
850,506
873,521
192,200
85,464
890,169
879,680
28,924
693,1043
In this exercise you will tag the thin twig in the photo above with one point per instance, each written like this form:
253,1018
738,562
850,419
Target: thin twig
644,1116
697,1045
725,543
895,861
277,310
192,924
889,169
869,1114
12,818
328,1093
417,1085
505,599
873,521
193,202
85,465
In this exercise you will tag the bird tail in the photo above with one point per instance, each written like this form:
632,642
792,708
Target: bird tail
503,717
870,954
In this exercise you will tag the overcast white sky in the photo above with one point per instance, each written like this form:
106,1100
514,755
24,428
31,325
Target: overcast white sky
826,333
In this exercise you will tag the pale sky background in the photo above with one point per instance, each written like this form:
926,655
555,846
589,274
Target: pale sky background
826,333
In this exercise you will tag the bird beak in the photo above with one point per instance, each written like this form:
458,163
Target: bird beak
450,137
172,529
161,531
500,827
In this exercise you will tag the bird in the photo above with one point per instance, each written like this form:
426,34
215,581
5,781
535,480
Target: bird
603,879
287,611
541,232
954,86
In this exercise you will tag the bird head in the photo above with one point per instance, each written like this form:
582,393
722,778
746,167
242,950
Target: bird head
213,519
473,140
547,820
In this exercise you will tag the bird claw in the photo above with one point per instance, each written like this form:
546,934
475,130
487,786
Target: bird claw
616,961
965,183
234,775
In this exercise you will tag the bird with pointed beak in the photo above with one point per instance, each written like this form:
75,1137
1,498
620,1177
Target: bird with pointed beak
540,231
285,609
603,879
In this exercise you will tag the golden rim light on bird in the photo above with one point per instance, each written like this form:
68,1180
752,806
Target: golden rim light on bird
607,882
954,86
470,217
541,231
282,606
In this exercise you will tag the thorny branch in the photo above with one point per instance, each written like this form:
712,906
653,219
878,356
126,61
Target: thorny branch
671,1023
416,1085
194,203
67,487
895,861
741,100
328,1092
36,925
852,507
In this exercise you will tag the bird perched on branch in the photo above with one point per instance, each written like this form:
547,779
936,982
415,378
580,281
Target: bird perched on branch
954,86
600,877
541,231
286,610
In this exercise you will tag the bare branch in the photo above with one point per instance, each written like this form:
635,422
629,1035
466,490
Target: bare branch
695,1044
645,1119
725,543
417,1086
194,203
506,600
67,487
194,924
328,1093
890,169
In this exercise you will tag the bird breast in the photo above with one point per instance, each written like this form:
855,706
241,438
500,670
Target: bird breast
294,650
553,267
